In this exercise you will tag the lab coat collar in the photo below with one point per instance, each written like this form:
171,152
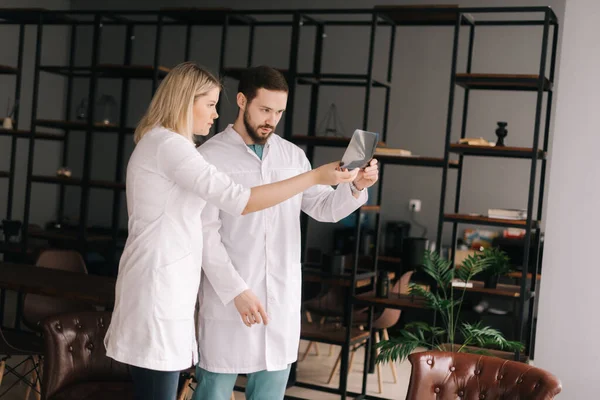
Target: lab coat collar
236,138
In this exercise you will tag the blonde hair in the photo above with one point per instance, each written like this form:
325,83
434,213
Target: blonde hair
172,104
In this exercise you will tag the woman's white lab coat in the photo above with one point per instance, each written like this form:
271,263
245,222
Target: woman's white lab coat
168,184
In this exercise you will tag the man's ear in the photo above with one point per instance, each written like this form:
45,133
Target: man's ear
241,100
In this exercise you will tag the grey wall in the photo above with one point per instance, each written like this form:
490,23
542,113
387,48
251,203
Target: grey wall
47,154
569,301
418,103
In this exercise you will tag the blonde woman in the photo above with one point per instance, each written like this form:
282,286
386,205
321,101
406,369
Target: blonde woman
168,185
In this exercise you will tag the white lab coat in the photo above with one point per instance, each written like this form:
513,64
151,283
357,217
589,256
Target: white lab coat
168,184
260,251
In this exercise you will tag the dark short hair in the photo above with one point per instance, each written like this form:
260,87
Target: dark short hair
261,77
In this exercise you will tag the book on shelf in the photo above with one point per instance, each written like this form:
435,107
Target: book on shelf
382,151
461,284
507,213
476,142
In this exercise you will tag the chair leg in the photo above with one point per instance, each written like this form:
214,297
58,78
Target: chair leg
37,376
2,367
379,377
335,367
386,336
339,360
310,344
351,359
309,317
28,379
185,390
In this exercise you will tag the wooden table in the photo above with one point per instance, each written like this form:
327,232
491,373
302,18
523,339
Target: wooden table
96,290
363,277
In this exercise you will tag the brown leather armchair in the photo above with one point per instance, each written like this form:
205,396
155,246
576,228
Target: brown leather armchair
445,375
75,364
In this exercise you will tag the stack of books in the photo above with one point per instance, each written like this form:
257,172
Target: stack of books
504,213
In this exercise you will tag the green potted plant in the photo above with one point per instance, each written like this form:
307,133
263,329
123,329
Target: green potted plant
499,265
447,301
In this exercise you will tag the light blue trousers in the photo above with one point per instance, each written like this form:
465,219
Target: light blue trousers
262,385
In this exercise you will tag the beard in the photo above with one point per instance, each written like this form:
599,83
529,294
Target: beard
257,137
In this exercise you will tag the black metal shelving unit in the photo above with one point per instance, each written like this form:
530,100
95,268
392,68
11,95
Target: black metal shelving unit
16,73
82,237
542,85
452,17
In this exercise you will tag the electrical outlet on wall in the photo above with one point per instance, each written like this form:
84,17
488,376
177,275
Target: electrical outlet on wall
414,205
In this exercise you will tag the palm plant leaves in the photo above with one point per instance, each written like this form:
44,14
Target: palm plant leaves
438,268
471,266
398,348
484,336
421,334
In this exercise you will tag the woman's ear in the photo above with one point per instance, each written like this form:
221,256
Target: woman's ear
241,100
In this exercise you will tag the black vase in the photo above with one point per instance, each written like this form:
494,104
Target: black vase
501,132
383,284
491,281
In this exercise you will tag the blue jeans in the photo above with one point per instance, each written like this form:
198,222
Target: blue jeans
262,385
149,384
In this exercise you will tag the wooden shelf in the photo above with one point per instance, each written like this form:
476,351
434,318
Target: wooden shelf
32,16
339,80
14,248
416,161
398,301
5,69
421,15
25,134
501,290
68,235
324,141
236,73
390,259
493,151
331,335
108,71
81,126
77,182
483,220
206,16
370,209
501,82
519,275
4,174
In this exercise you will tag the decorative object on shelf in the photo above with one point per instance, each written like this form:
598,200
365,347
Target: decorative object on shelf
501,132
332,122
63,172
11,229
383,284
475,142
507,213
499,266
448,304
383,151
106,110
7,123
82,110
335,263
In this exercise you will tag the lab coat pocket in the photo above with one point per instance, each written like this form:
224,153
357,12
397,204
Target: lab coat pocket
177,288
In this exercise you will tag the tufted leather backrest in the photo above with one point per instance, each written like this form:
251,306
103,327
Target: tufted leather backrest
462,376
75,352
